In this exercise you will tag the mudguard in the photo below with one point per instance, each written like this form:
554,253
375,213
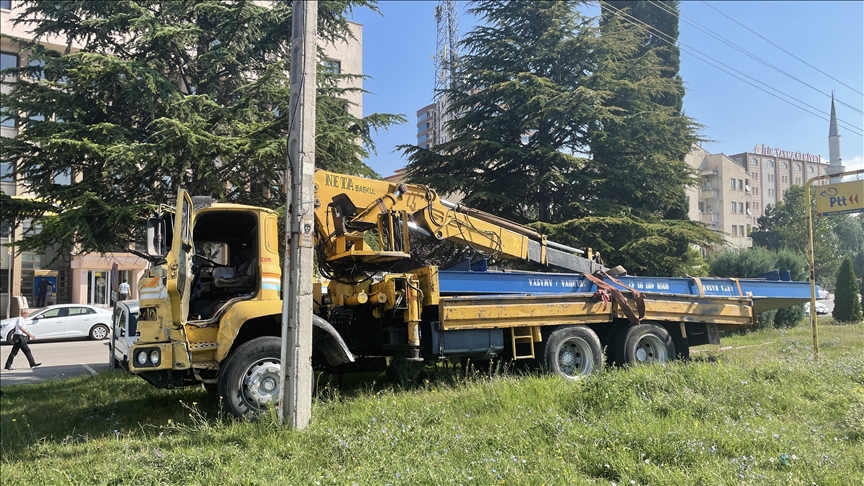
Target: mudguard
326,339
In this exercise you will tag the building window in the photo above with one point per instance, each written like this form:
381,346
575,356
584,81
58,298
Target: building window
423,116
784,179
63,177
755,206
741,207
422,138
7,171
824,171
755,176
6,4
740,184
797,167
734,230
783,165
770,163
734,207
755,191
8,60
732,185
701,207
770,177
333,66
754,161
741,230
770,192
810,169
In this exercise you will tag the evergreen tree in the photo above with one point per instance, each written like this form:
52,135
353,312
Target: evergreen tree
153,95
539,84
847,304
638,152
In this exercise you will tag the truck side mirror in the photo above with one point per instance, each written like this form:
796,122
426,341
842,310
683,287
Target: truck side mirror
156,237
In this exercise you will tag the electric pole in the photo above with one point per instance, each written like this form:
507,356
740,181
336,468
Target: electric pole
296,374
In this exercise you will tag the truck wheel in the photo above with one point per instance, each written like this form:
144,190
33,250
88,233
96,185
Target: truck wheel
643,343
573,352
249,379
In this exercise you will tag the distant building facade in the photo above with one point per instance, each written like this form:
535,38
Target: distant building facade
733,191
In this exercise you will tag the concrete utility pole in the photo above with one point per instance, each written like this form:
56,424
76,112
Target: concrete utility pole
296,374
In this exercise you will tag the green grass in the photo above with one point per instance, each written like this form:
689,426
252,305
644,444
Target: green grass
759,410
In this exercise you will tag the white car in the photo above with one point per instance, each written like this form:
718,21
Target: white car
821,309
63,321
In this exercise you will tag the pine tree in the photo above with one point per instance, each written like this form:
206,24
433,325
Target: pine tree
847,304
540,85
153,95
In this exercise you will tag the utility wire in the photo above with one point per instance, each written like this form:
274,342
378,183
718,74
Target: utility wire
696,53
671,11
784,50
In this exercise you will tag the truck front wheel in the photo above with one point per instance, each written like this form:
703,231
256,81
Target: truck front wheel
249,379
573,352
643,343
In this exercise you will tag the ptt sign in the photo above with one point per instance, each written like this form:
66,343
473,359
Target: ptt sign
842,198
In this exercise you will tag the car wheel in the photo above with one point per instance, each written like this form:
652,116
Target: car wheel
98,332
9,336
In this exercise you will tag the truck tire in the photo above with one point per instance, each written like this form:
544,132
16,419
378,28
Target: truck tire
573,352
248,380
642,344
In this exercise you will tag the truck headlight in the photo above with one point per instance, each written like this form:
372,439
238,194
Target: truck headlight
142,358
154,357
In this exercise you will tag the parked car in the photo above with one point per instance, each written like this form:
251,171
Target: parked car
124,327
63,321
821,309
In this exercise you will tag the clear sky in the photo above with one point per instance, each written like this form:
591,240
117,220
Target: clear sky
398,51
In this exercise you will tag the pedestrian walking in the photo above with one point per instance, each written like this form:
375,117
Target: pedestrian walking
20,337
124,290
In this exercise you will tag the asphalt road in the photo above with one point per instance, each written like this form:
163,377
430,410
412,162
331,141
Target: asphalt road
60,359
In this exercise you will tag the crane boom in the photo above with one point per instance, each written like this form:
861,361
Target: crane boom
347,208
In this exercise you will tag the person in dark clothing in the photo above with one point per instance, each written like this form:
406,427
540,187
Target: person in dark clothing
42,292
20,337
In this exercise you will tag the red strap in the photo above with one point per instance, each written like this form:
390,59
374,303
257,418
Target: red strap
620,299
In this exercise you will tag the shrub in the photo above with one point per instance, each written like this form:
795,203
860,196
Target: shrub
847,306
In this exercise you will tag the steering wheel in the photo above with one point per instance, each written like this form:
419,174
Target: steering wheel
206,260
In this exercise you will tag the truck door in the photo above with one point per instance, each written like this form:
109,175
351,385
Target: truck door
179,259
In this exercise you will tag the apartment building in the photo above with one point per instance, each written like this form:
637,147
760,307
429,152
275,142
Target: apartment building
88,278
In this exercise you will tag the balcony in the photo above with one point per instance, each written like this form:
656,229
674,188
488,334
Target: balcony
709,194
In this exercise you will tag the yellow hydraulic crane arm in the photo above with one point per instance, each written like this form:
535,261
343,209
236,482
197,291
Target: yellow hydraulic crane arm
346,207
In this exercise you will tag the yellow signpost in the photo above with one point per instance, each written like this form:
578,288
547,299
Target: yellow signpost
840,198
831,200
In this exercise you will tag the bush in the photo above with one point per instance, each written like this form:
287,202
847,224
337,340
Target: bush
847,306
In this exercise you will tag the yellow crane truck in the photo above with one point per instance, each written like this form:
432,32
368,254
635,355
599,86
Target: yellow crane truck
210,305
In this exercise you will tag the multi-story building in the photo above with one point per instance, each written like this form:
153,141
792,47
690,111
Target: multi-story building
88,278
733,191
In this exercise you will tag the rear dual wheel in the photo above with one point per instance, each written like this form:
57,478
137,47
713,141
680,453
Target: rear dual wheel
573,352
642,344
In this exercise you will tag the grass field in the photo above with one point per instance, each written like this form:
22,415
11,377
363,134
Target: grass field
759,410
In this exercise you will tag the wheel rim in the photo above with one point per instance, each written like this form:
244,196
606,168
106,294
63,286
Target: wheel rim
99,332
651,349
261,383
575,358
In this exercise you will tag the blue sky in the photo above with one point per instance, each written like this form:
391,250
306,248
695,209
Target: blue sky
398,51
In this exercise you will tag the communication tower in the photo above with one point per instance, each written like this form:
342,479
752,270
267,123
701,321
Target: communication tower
447,38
